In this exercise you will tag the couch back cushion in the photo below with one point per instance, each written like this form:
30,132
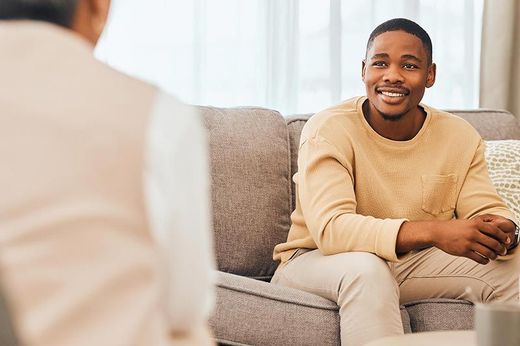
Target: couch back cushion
491,124
250,171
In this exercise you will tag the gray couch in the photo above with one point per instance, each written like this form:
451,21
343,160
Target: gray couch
253,157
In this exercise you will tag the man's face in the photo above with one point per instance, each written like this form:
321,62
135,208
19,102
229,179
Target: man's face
395,74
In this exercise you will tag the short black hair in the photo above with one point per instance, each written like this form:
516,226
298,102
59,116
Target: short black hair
59,12
405,25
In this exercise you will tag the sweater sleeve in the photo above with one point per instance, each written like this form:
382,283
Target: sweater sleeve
478,194
328,202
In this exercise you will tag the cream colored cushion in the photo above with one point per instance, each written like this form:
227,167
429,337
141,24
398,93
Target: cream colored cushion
503,160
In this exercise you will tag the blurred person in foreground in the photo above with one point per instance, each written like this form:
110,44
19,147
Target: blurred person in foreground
393,199
104,216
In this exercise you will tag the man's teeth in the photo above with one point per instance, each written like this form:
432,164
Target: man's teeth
387,93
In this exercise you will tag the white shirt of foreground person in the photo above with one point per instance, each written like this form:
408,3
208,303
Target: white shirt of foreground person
177,191
105,235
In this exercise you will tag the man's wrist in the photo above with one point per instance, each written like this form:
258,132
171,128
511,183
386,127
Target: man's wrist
414,235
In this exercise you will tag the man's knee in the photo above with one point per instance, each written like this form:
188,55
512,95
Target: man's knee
368,273
501,279
368,282
506,289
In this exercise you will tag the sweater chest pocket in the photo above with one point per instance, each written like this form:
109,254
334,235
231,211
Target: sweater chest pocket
439,193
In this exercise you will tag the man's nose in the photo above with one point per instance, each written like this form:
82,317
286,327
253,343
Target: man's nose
393,75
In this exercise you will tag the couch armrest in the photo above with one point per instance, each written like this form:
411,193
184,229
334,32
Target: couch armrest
254,312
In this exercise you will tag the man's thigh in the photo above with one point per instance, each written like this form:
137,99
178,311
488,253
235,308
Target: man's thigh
327,275
360,283
432,273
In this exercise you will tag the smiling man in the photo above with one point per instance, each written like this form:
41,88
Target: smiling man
393,199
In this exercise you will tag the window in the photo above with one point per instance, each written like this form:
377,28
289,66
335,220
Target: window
295,56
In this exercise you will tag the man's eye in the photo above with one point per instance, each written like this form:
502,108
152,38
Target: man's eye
410,66
379,64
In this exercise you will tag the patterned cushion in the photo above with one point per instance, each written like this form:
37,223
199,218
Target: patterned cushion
503,160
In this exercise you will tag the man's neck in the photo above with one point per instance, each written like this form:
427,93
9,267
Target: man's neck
404,128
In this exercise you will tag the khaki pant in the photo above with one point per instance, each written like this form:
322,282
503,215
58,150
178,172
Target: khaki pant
368,290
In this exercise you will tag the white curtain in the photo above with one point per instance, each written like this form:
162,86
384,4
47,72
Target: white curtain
295,56
500,68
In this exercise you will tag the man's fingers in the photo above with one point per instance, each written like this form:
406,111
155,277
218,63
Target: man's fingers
504,224
484,251
477,258
493,231
501,222
492,244
486,217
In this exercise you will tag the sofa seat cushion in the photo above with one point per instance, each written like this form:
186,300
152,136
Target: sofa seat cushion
254,312
440,314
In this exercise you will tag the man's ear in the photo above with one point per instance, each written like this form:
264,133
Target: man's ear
99,13
363,65
430,80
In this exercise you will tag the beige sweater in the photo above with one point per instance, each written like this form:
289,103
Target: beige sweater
354,188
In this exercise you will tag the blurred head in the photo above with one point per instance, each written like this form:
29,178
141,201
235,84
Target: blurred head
86,17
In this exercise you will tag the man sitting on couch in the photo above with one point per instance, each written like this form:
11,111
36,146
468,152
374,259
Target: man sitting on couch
394,202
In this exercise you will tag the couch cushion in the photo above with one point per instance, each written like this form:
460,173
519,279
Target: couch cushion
249,159
440,314
492,124
253,312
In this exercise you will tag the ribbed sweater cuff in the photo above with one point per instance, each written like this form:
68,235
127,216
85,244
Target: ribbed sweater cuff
387,238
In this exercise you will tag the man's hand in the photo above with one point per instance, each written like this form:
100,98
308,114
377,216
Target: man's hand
481,238
478,239
504,224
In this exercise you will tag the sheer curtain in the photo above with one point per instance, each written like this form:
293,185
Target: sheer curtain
500,68
295,56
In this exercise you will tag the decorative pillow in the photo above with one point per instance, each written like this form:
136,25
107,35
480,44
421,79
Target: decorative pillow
503,161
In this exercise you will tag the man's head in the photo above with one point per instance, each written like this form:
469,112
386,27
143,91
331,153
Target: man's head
405,25
59,12
86,17
397,69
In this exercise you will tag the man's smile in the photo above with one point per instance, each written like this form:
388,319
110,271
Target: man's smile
393,92
392,95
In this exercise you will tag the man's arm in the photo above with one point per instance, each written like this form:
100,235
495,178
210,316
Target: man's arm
478,196
481,239
328,202
484,230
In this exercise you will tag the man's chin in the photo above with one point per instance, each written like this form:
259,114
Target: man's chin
391,117
387,111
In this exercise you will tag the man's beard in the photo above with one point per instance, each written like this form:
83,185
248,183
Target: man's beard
392,117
